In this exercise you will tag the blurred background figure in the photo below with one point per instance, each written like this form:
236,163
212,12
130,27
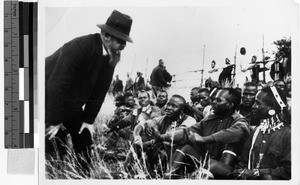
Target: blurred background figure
117,86
129,83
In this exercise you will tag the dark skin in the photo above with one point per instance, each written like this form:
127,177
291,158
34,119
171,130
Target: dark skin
223,108
173,110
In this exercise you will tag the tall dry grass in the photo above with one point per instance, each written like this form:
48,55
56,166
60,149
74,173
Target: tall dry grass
102,168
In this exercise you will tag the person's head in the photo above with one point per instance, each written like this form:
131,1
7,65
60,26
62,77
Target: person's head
127,74
144,98
161,63
260,86
117,77
204,97
129,99
253,59
115,32
194,95
278,56
138,73
238,89
175,107
119,100
162,98
243,51
280,84
227,61
268,102
226,102
213,64
248,94
288,86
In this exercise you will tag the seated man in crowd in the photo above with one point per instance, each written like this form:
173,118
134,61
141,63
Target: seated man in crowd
220,135
194,107
125,104
167,124
144,112
212,96
200,99
162,99
248,98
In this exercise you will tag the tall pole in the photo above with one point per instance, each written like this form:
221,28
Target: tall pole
146,71
234,67
202,71
263,59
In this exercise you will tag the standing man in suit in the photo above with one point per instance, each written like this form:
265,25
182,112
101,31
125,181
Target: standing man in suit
118,86
78,75
139,83
158,78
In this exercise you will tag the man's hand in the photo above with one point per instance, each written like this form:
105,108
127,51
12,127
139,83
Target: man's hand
138,141
90,128
195,138
52,130
114,57
152,132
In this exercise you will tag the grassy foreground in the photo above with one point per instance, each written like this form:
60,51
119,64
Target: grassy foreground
103,166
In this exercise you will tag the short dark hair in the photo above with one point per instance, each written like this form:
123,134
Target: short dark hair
180,97
253,84
213,62
235,97
143,91
196,88
205,90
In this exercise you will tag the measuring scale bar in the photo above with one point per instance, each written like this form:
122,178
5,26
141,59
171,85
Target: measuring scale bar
19,59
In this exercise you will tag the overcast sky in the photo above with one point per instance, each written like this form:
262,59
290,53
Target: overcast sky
177,32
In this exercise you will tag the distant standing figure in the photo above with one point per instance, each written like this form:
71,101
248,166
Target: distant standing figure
139,83
225,76
129,83
118,86
213,73
158,78
255,69
242,73
277,69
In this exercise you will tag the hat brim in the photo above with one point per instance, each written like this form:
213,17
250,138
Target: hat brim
114,32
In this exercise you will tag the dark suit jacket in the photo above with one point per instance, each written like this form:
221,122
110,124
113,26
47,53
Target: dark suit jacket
157,77
140,84
225,74
77,74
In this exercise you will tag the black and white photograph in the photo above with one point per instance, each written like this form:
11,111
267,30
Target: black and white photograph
160,91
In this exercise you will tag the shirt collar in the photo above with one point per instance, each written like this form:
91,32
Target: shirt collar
147,109
104,52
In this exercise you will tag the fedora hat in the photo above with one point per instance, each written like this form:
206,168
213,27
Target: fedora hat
118,25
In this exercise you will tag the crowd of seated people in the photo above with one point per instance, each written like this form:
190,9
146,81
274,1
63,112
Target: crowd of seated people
234,133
